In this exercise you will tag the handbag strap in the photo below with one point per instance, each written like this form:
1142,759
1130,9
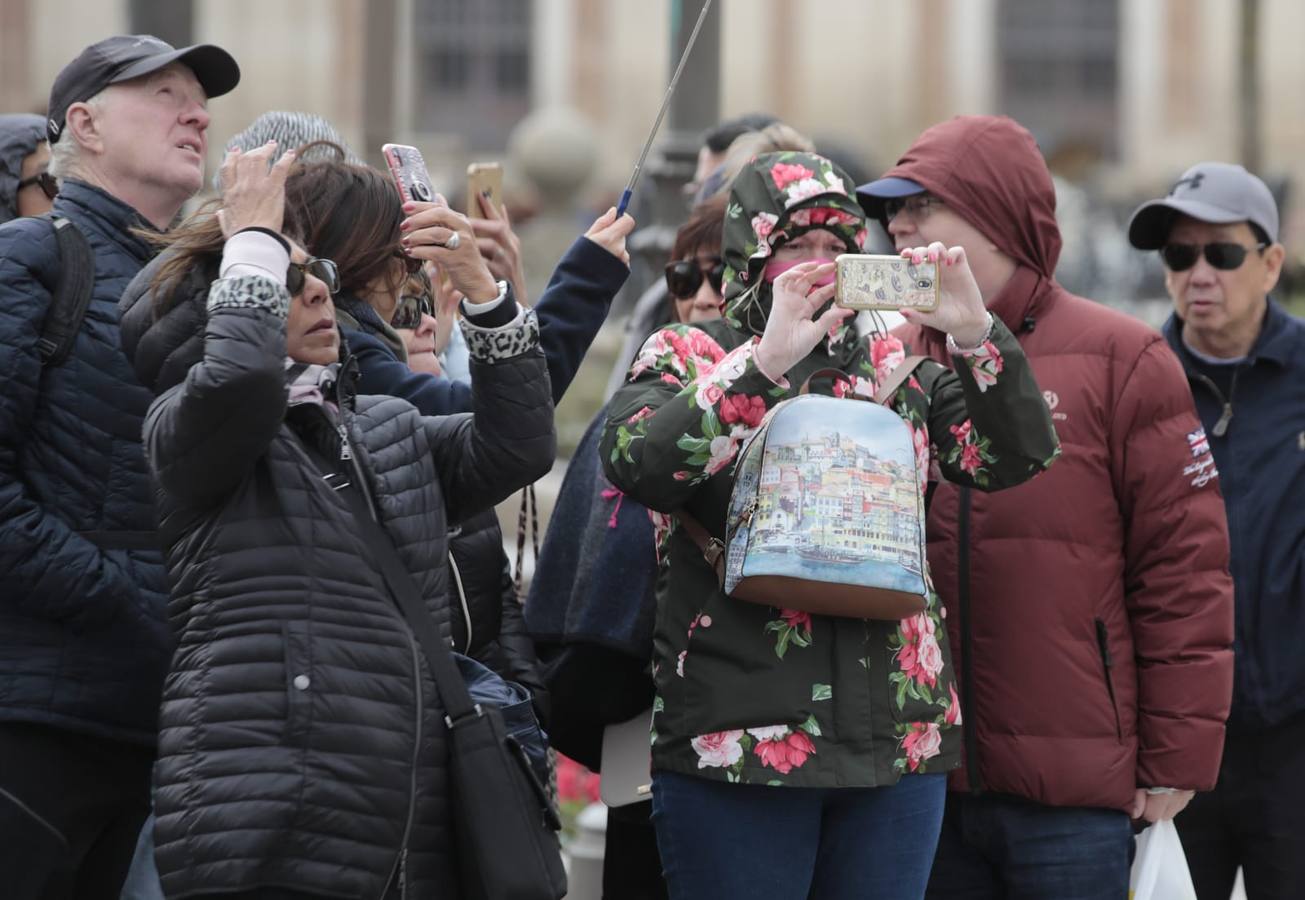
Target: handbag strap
403,590
713,549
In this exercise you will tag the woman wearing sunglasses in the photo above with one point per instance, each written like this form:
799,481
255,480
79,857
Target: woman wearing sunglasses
302,749
591,604
26,189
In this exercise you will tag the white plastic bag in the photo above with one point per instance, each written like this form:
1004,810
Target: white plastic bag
1160,868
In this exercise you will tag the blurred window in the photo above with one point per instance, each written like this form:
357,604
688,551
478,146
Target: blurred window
1058,65
475,60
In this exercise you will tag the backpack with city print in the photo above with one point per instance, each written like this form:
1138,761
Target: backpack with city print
825,515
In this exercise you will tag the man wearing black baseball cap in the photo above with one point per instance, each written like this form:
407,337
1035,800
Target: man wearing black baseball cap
84,640
1217,233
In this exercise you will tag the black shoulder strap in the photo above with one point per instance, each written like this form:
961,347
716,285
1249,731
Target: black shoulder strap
72,293
403,589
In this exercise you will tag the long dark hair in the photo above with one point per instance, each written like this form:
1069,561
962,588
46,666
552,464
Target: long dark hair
339,211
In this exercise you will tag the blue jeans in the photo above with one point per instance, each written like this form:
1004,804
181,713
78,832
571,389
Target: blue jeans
1000,847
722,840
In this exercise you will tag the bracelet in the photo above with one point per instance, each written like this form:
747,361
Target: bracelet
956,350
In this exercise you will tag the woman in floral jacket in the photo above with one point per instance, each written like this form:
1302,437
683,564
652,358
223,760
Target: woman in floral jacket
752,698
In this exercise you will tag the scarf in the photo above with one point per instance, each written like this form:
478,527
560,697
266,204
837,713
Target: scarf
307,383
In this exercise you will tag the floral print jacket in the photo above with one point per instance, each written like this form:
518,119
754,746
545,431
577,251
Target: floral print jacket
747,693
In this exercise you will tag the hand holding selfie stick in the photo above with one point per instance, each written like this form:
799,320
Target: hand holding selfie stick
670,91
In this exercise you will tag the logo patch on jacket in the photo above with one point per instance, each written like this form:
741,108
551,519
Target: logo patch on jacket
1198,442
1202,472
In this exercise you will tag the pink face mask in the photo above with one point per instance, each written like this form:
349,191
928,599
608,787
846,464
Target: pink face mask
776,268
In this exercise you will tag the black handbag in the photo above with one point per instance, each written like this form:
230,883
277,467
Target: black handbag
506,827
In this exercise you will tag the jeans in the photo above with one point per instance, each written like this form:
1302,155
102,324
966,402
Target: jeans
1254,818
787,843
1002,847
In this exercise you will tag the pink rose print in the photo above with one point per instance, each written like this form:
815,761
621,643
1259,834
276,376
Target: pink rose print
723,450
718,750
763,224
747,411
667,378
702,346
985,363
922,742
786,173
886,354
922,456
861,237
962,431
953,716
795,618
709,395
971,459
787,753
804,190
920,656
769,732
641,414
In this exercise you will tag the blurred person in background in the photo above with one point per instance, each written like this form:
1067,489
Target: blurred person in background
1090,610
759,787
591,604
1244,356
84,644
303,745
26,187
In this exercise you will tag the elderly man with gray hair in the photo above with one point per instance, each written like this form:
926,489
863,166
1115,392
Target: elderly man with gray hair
84,641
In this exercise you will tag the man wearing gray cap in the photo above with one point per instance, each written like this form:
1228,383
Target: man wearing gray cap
84,640
1217,233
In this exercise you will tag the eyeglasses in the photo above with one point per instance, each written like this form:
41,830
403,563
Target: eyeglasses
48,183
918,205
1222,255
411,309
323,269
684,277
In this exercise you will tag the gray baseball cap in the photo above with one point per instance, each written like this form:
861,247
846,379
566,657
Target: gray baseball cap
1215,192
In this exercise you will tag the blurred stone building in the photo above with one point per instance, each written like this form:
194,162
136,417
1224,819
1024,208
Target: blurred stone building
1143,86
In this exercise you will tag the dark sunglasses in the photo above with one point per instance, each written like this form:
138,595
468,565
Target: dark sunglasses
684,277
48,183
1222,255
322,269
410,310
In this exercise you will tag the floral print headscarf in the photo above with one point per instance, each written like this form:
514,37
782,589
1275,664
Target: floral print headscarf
774,199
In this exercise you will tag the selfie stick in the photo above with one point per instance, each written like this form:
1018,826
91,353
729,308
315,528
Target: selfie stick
670,90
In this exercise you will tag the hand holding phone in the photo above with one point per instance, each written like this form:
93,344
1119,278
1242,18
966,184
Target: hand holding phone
870,281
484,179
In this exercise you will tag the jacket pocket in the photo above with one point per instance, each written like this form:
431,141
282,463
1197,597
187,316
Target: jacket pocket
297,643
1108,665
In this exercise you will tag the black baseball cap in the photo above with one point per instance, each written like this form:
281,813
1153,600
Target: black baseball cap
127,56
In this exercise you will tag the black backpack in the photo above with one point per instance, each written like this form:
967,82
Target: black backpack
72,293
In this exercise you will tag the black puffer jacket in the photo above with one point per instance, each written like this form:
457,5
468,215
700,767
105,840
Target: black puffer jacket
302,742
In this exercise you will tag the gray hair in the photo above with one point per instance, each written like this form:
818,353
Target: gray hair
66,153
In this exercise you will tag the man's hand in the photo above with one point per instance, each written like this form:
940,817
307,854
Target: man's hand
500,246
609,232
253,194
1156,807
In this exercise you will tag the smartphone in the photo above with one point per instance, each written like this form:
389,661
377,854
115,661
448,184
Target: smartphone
408,170
484,178
869,281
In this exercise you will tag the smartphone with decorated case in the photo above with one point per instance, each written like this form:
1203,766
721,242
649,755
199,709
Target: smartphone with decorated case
872,281
408,170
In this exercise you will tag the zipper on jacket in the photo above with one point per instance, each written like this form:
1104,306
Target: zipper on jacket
1221,427
968,718
1108,662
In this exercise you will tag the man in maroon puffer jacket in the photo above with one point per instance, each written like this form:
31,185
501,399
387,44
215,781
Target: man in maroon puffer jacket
1090,610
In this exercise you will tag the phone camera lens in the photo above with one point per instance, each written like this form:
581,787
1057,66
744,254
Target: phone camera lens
420,192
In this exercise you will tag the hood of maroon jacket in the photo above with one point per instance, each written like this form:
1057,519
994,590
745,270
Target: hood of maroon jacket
1091,609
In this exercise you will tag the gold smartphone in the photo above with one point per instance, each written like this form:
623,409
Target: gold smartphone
484,178
870,281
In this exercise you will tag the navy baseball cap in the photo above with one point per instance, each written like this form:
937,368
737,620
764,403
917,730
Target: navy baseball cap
873,194
1214,192
127,56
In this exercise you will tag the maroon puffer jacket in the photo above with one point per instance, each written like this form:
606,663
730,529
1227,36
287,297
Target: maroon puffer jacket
1092,608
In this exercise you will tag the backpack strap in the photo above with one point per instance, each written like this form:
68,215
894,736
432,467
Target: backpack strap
72,293
897,378
713,549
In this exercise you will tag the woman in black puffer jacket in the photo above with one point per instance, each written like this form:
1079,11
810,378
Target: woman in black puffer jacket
302,744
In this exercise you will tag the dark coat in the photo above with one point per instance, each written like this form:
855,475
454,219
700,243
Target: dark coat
1090,610
302,741
1261,460
83,641
571,310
